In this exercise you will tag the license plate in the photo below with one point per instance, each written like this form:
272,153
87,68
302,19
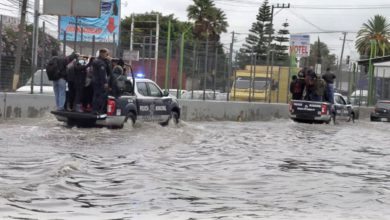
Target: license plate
383,119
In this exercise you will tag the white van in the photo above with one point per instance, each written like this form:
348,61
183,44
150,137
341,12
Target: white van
47,85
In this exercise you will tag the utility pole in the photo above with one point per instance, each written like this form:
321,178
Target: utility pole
34,54
339,74
205,66
168,57
150,54
230,70
318,68
1,43
181,65
270,34
18,55
75,34
156,48
131,36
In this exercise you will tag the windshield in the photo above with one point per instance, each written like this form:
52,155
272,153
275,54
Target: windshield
37,79
244,83
385,105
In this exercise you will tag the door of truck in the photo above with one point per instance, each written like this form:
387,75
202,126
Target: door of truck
161,103
340,106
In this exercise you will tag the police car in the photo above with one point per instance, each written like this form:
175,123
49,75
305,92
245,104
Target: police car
312,112
143,100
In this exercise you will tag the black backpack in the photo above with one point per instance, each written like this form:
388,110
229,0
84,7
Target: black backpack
297,87
53,69
121,82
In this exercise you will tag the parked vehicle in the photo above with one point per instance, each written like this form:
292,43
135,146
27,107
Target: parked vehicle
40,77
142,100
321,112
198,94
244,87
174,92
381,111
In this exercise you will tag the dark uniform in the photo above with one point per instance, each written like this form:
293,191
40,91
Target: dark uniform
329,79
99,80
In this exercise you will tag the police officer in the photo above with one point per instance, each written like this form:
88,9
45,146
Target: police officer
101,70
329,78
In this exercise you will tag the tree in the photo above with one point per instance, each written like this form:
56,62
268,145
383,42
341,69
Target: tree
258,39
328,60
378,29
280,47
208,20
9,41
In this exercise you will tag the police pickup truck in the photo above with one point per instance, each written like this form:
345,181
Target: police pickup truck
321,112
142,100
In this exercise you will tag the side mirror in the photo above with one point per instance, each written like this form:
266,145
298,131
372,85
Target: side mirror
349,102
165,93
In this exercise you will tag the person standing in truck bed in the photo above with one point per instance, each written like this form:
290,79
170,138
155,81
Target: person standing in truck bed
101,70
329,78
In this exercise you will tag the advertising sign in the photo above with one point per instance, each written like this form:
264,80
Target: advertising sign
104,28
300,45
84,8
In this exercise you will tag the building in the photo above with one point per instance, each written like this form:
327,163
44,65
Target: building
381,75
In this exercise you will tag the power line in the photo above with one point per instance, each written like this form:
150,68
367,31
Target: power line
355,7
307,21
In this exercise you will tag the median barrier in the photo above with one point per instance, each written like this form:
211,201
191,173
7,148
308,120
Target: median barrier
17,105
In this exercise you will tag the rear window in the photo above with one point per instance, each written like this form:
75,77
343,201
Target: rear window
244,83
383,105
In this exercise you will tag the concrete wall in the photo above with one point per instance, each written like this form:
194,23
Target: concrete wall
14,105
197,110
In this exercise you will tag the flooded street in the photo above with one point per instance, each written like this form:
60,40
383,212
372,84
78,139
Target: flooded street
210,170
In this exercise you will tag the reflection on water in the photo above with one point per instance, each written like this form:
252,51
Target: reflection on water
219,170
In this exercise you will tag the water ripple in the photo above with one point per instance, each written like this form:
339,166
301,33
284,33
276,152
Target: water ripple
218,170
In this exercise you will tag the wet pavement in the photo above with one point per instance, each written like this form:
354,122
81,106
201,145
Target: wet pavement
209,170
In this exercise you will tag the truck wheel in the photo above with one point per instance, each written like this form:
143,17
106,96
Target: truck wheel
334,118
174,117
351,118
130,118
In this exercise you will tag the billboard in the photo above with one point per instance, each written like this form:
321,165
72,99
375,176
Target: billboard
84,8
103,28
300,45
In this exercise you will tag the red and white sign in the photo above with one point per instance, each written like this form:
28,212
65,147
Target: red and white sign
300,44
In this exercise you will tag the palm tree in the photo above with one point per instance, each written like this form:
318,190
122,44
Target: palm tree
209,20
377,29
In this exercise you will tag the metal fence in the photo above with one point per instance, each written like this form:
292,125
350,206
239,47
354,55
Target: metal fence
189,69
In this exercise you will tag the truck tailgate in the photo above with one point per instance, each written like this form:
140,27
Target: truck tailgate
308,110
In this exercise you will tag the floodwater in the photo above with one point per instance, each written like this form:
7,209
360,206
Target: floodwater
211,170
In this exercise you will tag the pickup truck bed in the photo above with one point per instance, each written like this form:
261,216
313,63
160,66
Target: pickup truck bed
89,119
308,111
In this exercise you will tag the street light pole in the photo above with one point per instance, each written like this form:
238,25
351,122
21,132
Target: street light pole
339,77
182,43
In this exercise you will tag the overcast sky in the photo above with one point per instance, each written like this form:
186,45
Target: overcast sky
304,16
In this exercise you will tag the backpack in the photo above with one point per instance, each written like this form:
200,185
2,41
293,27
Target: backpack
297,87
53,69
121,82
